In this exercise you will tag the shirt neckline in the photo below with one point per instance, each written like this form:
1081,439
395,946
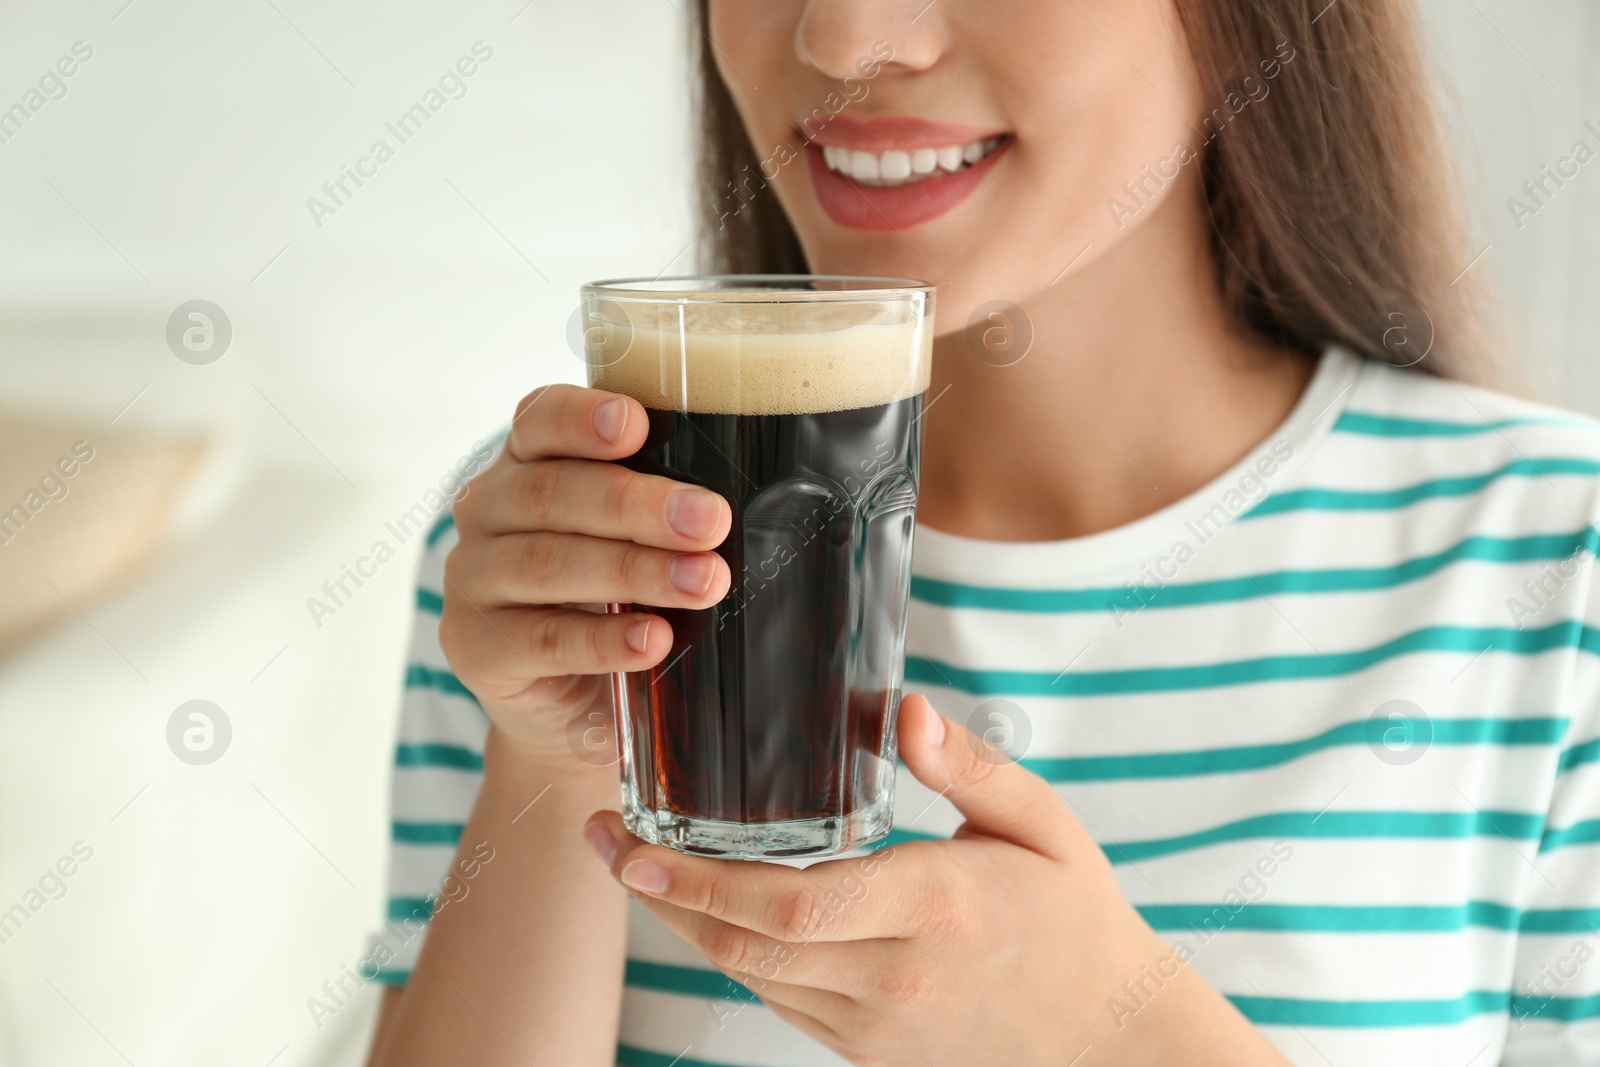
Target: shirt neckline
951,557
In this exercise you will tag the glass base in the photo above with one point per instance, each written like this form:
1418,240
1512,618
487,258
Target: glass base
799,838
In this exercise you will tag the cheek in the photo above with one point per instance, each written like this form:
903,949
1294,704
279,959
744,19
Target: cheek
753,47
1121,109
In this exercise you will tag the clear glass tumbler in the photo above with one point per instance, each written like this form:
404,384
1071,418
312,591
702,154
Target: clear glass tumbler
769,729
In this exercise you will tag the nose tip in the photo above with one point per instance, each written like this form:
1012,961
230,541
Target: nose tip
847,38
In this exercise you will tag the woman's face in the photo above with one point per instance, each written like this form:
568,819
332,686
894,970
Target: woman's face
975,144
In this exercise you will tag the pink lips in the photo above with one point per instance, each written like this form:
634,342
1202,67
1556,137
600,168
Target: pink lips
880,208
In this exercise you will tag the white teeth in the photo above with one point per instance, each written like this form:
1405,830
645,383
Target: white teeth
901,167
864,166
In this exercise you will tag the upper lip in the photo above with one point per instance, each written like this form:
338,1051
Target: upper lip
893,131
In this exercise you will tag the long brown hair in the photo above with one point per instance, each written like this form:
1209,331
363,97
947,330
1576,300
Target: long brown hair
1336,213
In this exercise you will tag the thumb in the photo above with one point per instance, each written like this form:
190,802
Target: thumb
998,796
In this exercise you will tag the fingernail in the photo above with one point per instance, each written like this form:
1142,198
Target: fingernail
601,843
692,513
645,876
610,419
692,574
935,727
638,636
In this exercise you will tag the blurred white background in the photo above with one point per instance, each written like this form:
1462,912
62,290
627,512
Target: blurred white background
368,354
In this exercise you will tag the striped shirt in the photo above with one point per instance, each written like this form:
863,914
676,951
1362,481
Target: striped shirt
1334,718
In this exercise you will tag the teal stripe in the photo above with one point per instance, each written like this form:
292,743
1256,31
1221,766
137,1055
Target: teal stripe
686,981
392,977
1427,825
426,833
900,836
1340,919
1578,755
445,524
1286,1011
418,908
430,602
1256,586
458,757
420,677
632,1056
1373,425
1291,1011
1580,833
1267,1011
1464,639
1559,1009
1317,499
1561,921
1329,825
1546,731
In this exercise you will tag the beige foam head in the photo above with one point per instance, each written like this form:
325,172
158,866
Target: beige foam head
748,358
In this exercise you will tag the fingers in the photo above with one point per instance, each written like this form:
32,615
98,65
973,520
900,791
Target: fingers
557,568
839,900
997,795
599,499
761,962
568,420
505,650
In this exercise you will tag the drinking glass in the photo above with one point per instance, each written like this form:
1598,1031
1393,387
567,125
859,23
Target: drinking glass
769,728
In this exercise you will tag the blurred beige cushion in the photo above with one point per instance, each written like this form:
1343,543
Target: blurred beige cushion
83,507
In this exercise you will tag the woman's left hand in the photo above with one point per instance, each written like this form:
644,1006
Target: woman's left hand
1009,943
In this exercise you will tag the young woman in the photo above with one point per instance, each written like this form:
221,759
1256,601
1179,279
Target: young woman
1297,622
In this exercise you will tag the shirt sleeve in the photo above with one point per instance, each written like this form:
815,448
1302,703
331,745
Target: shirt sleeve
1555,994
438,765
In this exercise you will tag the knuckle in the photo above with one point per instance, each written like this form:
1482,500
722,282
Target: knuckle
801,915
625,494
941,908
549,639
712,896
731,948
528,402
631,568
903,985
452,642
455,564
544,484
465,507
530,410
597,638
538,555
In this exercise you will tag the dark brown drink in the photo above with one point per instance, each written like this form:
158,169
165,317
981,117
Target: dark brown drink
773,707
768,730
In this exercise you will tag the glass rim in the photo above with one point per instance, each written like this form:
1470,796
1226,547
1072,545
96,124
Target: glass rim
753,288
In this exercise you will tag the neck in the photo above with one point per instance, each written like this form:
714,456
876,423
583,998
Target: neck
1139,388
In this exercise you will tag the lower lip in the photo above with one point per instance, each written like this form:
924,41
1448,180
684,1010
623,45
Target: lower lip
884,208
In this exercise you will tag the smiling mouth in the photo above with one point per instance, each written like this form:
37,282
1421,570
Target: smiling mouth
907,166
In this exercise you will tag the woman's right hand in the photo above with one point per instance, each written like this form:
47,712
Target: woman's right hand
554,529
